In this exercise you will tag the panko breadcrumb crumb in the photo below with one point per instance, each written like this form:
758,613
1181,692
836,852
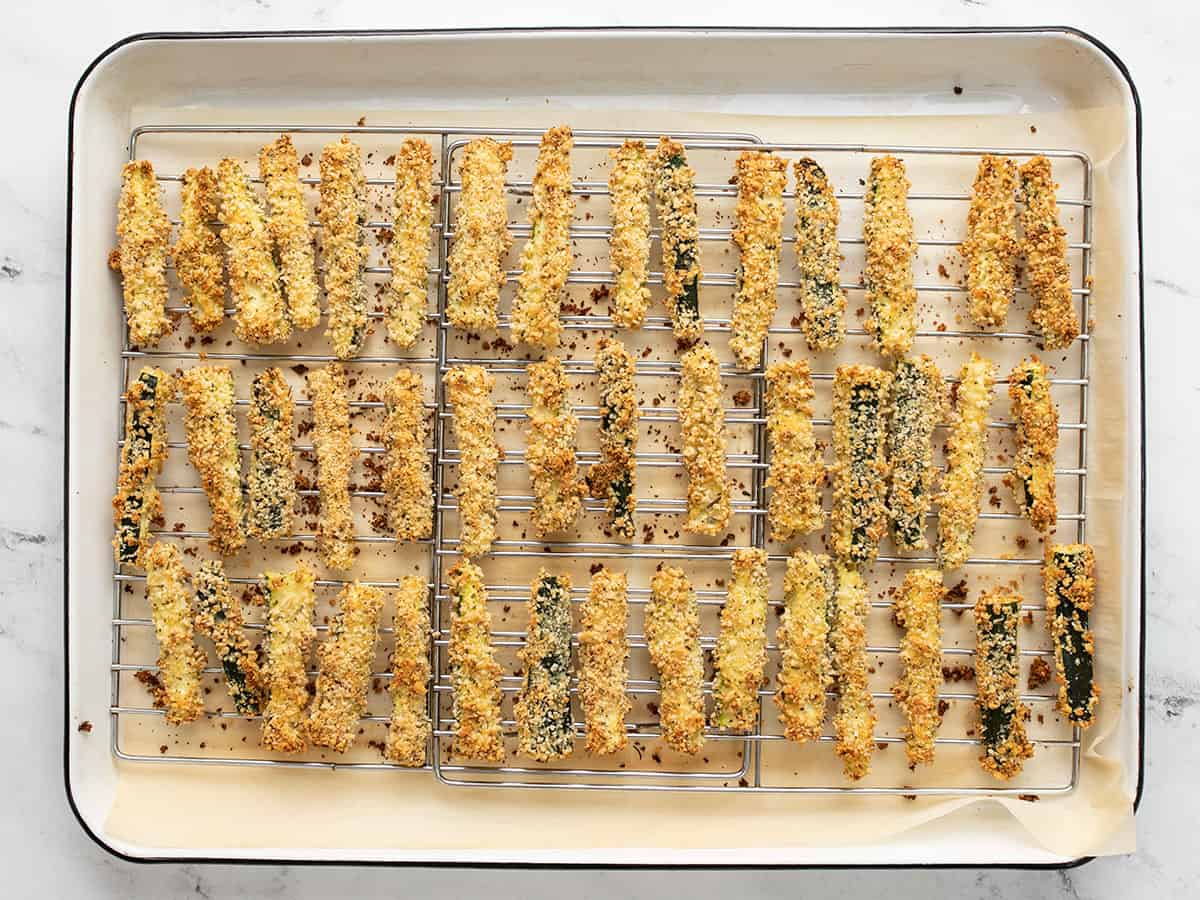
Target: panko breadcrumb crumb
604,662
143,230
1046,268
550,453
919,613
819,257
962,485
797,471
854,722
629,244
180,661
412,238
673,637
197,253
702,423
335,461
469,390
409,729
758,235
741,656
212,438
481,237
890,248
288,223
474,672
290,633
991,245
805,667
407,476
343,217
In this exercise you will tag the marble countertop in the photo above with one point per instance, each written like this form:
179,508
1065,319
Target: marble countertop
43,49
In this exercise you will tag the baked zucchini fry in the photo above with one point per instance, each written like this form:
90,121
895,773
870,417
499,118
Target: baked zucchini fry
854,722
211,426
288,224
673,637
546,256
344,666
860,473
741,654
1002,715
219,617
761,178
543,708
919,612
1070,582
629,245
1046,268
272,479
675,195
797,471
614,477
481,239
180,661
474,673
409,729
343,217
962,485
260,315
469,389
918,404
1036,415
412,238
604,662
818,256
991,245
143,230
805,669
702,423
407,476
137,502
197,253
890,248
335,461
550,453
291,603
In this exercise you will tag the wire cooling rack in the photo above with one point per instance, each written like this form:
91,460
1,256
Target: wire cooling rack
761,761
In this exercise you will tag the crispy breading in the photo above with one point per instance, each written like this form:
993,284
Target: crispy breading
991,245
604,662
412,238
614,478
219,617
481,237
1036,415
797,471
1069,577
407,476
272,481
137,501
290,634
819,257
197,252
143,230
212,438
289,227
1045,247
702,423
997,677
741,655
543,707
409,729
343,218
673,637
919,613
890,248
918,404
550,453
962,485
758,235
469,390
854,722
180,661
805,667
860,473
336,455
675,195
629,244
474,672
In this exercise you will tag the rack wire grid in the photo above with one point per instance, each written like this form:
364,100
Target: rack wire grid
761,761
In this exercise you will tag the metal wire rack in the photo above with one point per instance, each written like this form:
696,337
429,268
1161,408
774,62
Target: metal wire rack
753,762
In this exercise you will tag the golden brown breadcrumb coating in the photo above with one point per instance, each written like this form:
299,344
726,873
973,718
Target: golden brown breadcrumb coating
890,248
854,722
143,230
409,729
918,404
702,423
919,613
407,476
991,245
741,655
962,485
758,235
343,218
629,244
272,481
1036,415
412,238
481,237
604,662
197,253
180,661
819,257
335,461
469,390
550,453
797,471
1046,268
805,667
673,636
212,438
288,224
290,633
1002,715
474,672
137,502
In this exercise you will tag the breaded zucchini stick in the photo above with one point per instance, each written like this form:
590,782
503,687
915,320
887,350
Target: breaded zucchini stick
546,257
1046,268
991,245
335,461
288,223
604,662
407,478
614,478
1070,581
890,248
919,613
261,315
962,485
543,708
629,244
822,300
1002,715
918,404
344,666
741,655
1036,415
550,452
761,178
137,502
412,238
290,633
673,636
675,194
211,426
469,389
272,479
860,473
180,661
854,722
197,253
702,423
143,230
409,729
474,673
343,217
481,240
219,617
797,471
805,668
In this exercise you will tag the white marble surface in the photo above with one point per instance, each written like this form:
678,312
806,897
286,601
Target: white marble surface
44,47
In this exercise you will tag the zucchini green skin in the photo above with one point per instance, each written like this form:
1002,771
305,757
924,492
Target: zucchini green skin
137,501
543,711
997,668
1070,589
220,618
614,477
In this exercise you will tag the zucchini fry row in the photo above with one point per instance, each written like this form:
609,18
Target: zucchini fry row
412,238
335,461
143,230
991,245
291,603
805,671
474,672
1069,576
272,479
557,488
481,241
212,438
761,178
469,389
819,257
702,423
673,637
629,245
543,708
918,403
797,471
962,485
197,253
409,729
614,478
741,655
343,216
1002,715
180,661
604,662
919,613
137,502
288,224
890,248
407,476
1036,416
859,517
675,193
1046,266
219,617
854,722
